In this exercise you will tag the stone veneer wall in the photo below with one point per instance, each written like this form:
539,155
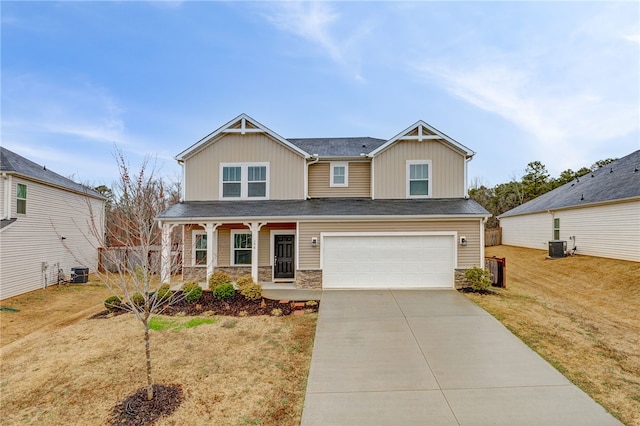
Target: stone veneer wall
309,278
234,272
192,273
264,274
460,280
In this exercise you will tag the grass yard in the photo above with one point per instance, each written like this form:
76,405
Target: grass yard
233,370
580,313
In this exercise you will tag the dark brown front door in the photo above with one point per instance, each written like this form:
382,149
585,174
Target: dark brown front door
283,262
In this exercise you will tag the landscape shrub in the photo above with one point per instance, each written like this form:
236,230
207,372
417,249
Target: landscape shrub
192,291
244,280
218,278
137,299
479,278
112,302
164,294
224,291
248,288
251,291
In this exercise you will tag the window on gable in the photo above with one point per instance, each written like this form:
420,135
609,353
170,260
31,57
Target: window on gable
241,247
199,248
556,228
245,181
21,199
418,179
339,174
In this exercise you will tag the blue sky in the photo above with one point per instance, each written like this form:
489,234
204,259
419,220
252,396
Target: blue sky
516,82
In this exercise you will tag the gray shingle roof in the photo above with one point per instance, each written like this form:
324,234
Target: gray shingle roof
322,207
338,147
14,163
616,181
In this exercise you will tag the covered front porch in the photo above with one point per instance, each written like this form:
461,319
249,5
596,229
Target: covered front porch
265,250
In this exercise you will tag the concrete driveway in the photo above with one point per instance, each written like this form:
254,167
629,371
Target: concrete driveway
431,357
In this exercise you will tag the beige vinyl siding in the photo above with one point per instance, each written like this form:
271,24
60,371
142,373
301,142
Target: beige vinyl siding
447,169
286,167
531,230
359,181
36,237
468,255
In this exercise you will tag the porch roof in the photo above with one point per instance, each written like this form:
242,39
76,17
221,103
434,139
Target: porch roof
323,208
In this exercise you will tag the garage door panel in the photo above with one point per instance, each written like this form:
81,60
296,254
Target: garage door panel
366,261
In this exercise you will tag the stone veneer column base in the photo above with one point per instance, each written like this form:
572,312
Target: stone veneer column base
309,278
460,280
192,273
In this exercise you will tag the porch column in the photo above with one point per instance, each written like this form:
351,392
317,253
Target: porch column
255,230
165,256
212,248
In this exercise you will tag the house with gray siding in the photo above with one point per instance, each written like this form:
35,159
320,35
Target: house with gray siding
598,214
48,223
352,212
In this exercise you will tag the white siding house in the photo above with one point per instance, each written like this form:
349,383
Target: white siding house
46,225
597,214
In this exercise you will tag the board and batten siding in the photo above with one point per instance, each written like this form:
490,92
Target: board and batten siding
468,256
531,230
359,181
390,170
286,167
36,237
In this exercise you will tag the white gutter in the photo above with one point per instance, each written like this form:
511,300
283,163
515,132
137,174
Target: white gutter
6,207
306,174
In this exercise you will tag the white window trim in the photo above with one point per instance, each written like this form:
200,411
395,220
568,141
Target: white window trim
244,182
232,258
334,164
194,234
22,199
408,180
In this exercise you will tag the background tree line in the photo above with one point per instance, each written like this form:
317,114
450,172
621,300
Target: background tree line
535,182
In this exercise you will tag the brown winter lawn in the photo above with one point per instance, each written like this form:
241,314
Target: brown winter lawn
60,367
580,313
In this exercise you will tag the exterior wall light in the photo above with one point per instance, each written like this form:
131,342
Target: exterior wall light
463,240
314,241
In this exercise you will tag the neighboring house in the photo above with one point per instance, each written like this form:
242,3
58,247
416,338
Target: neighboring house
46,225
598,214
327,212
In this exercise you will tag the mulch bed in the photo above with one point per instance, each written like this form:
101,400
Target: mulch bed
136,410
238,305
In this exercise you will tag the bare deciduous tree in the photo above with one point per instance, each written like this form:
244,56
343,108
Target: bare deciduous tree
135,200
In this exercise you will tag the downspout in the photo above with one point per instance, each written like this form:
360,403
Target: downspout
482,224
306,175
372,179
466,176
6,207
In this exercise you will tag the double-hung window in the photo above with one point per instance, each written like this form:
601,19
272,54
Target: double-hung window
418,179
241,245
556,228
339,174
244,181
21,199
199,253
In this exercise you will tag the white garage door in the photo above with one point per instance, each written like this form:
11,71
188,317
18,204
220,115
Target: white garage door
388,261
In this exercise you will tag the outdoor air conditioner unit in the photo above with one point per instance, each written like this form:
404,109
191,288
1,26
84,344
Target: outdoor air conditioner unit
557,249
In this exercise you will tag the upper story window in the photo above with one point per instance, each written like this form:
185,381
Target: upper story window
244,181
418,178
339,174
21,199
556,228
199,251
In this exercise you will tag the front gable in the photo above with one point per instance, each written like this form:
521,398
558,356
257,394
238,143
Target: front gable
243,143
420,162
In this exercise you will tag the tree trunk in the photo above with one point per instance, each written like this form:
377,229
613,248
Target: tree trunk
148,355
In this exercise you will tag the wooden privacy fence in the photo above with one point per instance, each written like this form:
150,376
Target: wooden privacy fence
113,259
498,268
492,237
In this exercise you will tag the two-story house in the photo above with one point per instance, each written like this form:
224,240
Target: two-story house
327,212
49,223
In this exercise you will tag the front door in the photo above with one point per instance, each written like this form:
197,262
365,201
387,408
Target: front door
283,261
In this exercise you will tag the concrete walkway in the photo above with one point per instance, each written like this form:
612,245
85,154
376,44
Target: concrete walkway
431,357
